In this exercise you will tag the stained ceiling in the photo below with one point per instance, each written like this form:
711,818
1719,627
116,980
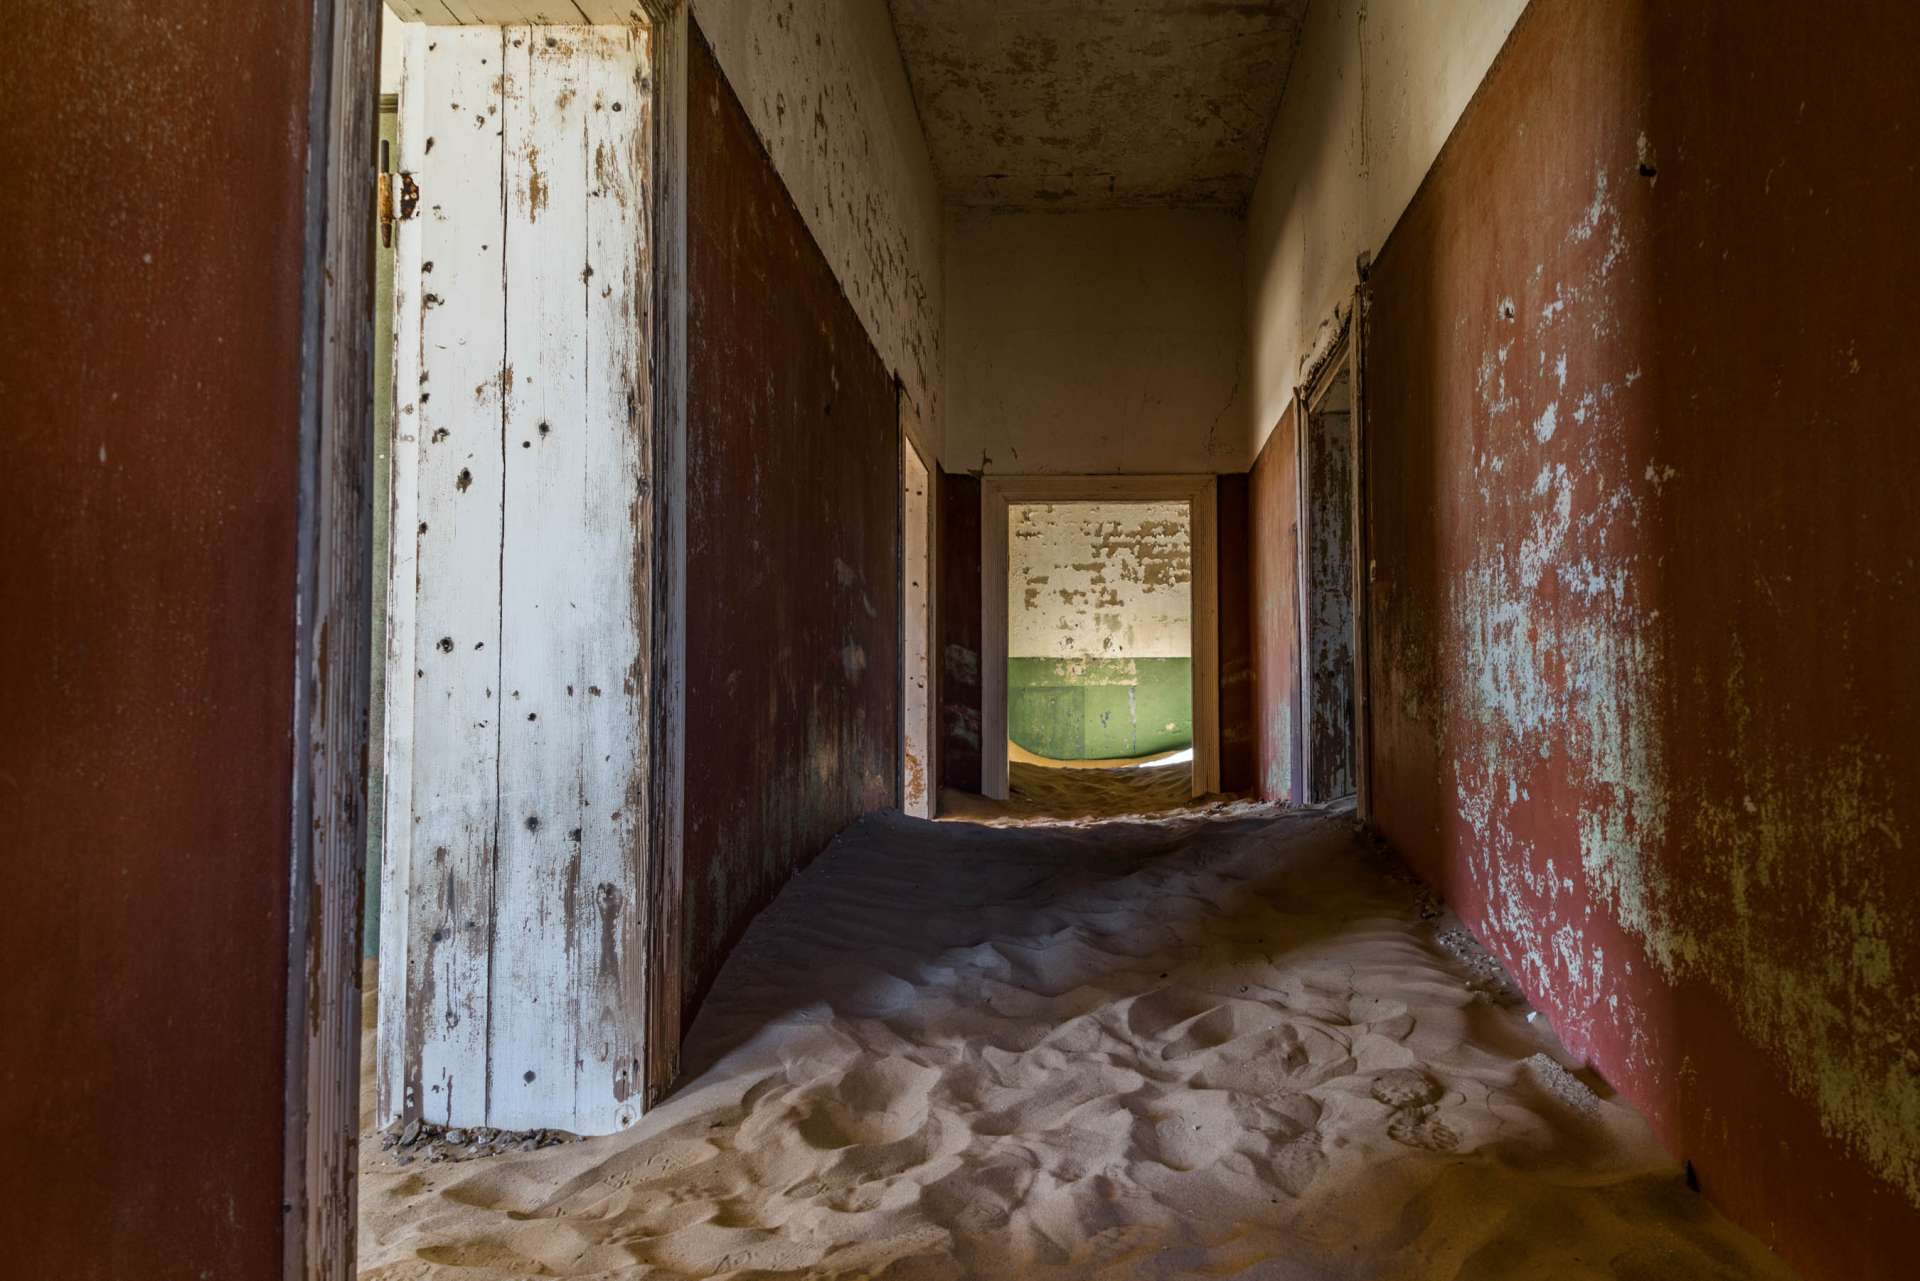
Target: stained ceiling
1083,104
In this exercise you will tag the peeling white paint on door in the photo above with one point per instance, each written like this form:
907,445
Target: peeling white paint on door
916,595
512,988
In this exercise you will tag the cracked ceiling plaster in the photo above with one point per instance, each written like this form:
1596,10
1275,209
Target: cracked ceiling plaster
1085,104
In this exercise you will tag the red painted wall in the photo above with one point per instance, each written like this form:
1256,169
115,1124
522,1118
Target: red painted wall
151,226
1238,746
959,630
1273,505
1641,410
793,674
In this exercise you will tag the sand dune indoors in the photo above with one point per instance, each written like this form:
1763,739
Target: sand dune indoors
1231,1043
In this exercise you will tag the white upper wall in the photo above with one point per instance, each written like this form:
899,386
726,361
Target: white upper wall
823,83
1100,580
1103,341
1376,88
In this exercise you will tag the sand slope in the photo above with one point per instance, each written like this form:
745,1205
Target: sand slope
1232,1045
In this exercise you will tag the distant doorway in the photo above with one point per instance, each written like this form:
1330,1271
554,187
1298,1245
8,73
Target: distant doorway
1098,625
1100,633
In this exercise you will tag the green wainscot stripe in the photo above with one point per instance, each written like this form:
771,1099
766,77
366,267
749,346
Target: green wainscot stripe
1089,709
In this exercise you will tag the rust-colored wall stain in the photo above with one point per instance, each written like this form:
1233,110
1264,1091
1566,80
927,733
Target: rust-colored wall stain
793,674
1238,746
1273,522
958,623
149,373
1639,389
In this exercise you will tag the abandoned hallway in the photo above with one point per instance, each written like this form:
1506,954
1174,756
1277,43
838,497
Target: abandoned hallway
959,639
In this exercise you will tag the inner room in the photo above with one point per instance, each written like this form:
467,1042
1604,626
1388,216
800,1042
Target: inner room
938,639
1100,634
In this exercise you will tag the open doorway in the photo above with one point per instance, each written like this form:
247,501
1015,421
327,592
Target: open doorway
1099,632
1332,668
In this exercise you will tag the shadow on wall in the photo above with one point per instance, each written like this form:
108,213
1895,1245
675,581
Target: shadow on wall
1643,692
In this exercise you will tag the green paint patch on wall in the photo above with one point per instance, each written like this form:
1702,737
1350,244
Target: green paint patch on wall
1089,709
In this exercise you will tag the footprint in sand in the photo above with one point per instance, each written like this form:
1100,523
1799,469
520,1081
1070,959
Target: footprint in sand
1405,1088
1420,1128
1412,1096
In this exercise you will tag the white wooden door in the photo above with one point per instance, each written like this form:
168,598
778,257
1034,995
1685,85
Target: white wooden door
917,784
511,984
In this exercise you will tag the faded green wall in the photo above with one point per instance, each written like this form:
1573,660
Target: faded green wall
1096,709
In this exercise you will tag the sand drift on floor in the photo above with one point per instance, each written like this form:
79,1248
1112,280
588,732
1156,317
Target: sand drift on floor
1238,1044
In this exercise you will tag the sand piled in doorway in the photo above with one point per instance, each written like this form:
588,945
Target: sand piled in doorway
1039,792
1238,1044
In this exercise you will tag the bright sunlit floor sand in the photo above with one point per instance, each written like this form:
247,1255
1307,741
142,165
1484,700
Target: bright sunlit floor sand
1221,1041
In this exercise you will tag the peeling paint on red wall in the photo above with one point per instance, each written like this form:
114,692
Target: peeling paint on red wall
1644,704
793,680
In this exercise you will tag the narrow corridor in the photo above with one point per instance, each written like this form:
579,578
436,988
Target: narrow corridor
1226,1040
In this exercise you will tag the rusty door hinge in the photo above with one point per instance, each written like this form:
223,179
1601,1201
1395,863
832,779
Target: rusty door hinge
409,198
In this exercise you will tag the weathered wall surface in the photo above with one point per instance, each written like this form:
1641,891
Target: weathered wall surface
823,84
1640,399
1273,502
1099,580
793,705
1239,745
150,374
1095,342
958,620
1375,89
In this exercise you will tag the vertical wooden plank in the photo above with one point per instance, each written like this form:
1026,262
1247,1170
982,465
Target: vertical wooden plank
1362,564
993,639
1303,593
1202,510
916,756
617,503
335,537
547,602
565,1003
396,858
456,660
666,318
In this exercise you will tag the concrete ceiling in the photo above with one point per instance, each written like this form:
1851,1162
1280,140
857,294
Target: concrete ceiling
1082,104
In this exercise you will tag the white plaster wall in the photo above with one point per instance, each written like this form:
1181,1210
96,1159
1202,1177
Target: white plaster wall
1095,342
391,28
1374,92
1099,580
823,83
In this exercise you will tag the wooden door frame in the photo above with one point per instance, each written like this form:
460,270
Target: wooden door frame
333,610
997,494
1343,355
